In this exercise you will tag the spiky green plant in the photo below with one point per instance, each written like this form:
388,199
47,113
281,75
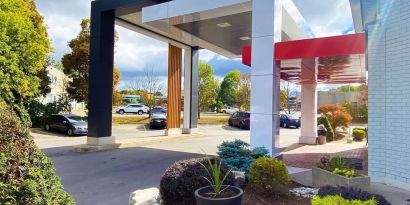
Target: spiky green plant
216,178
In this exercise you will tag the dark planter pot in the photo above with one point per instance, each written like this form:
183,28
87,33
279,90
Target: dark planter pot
203,200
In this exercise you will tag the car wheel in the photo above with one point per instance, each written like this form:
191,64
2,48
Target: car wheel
230,123
47,127
140,112
121,112
285,125
224,111
70,132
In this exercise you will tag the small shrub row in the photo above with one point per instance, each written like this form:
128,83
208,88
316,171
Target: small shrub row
38,111
338,200
359,134
351,194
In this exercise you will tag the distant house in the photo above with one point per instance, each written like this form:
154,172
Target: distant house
131,99
337,97
58,82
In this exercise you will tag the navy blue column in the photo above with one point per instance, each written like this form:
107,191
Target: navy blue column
101,72
194,87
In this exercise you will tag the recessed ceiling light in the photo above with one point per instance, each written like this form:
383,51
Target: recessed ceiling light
223,25
245,38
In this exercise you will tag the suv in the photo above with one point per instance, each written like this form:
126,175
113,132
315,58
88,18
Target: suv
229,109
132,108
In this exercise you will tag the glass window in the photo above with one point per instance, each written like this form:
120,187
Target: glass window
75,119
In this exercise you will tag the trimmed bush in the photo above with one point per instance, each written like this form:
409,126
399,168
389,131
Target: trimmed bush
336,114
351,194
38,112
330,132
338,200
27,176
181,179
238,154
359,135
268,176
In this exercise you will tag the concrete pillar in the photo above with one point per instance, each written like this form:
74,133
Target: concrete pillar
309,114
309,102
100,78
265,74
190,90
174,90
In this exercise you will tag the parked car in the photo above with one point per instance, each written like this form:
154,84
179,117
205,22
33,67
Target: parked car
240,119
287,120
158,109
158,120
229,109
133,108
68,123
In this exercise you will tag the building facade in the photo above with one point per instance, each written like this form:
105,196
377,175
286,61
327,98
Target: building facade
273,39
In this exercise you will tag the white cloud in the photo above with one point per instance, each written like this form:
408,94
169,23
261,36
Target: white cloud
326,18
134,51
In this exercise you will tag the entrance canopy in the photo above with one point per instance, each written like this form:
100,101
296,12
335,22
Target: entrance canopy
337,59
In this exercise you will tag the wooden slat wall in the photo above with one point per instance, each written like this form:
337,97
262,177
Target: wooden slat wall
174,87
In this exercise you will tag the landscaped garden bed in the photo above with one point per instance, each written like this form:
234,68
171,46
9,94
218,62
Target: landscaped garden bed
253,198
244,176
337,172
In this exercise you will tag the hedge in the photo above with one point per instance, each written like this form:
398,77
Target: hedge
27,176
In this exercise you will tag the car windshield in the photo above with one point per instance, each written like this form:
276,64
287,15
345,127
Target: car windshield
76,119
292,117
158,115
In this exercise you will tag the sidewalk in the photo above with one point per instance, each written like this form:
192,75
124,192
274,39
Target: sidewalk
307,156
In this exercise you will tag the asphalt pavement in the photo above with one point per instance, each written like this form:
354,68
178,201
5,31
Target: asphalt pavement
107,178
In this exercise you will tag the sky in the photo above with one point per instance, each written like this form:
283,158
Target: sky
136,52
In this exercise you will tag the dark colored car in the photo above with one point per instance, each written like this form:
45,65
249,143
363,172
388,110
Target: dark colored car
287,120
158,120
68,123
158,109
240,119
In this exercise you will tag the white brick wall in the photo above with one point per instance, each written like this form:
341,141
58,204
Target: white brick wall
389,93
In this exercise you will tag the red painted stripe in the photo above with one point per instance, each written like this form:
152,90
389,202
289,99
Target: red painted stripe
316,47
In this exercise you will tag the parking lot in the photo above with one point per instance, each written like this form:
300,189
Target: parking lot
129,132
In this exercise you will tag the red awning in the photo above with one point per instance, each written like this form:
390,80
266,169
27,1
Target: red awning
339,59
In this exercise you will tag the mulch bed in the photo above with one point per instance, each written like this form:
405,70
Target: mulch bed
252,198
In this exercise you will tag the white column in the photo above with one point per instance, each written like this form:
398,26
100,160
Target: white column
308,131
265,74
309,114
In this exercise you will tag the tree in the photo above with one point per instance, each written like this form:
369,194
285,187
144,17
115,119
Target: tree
229,87
347,88
243,98
148,86
336,114
76,64
207,87
287,90
24,47
117,98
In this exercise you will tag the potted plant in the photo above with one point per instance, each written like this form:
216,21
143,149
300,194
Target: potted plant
336,172
217,193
